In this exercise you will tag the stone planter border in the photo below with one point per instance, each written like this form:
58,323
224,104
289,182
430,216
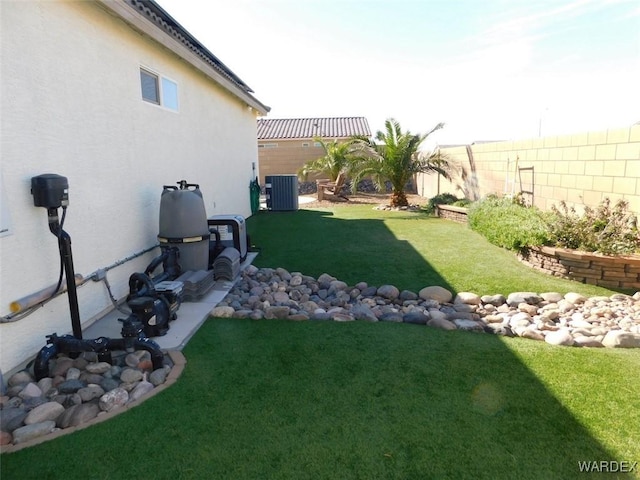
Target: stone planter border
179,362
451,212
585,267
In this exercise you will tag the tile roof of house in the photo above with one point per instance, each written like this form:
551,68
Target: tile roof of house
331,127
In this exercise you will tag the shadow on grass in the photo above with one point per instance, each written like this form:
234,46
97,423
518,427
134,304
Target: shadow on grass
363,249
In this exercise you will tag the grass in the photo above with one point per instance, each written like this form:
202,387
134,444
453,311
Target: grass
296,400
409,250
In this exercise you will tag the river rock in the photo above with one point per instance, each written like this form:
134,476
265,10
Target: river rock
20,378
441,323
44,412
71,386
131,375
98,367
470,325
140,390
559,337
30,390
29,432
516,298
551,297
222,311
12,418
495,300
77,415
468,298
363,312
118,397
415,317
391,317
621,339
159,376
389,292
90,392
575,298
437,293
281,312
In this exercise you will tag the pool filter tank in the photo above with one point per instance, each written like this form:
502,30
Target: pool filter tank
183,224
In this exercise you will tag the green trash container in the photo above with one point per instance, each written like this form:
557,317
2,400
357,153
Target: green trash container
254,192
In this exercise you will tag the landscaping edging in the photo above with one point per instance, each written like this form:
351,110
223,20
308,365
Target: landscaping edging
178,363
451,212
584,267
570,319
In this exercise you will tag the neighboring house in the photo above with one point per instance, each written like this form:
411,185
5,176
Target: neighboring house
286,144
120,99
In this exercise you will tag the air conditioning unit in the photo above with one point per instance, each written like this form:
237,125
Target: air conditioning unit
281,192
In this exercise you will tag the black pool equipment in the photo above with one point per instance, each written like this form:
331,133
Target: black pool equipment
154,301
133,338
52,192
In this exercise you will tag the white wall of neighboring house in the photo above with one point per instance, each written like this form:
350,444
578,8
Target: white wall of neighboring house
71,104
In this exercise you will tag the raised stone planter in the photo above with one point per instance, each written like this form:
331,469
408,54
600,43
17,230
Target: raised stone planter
450,212
591,268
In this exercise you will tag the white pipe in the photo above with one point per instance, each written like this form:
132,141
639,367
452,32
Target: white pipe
40,296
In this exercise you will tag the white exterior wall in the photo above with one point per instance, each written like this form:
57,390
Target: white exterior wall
71,105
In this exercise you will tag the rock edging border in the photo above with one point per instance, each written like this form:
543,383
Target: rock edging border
179,362
451,212
591,268
585,267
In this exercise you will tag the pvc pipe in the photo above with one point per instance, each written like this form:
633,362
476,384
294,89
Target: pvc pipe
39,297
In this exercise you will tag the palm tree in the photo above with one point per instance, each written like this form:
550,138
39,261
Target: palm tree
338,158
398,160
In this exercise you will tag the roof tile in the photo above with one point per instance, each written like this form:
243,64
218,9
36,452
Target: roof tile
327,127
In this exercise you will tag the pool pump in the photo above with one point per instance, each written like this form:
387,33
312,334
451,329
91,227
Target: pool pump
52,192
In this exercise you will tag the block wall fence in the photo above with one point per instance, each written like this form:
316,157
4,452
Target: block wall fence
581,169
287,157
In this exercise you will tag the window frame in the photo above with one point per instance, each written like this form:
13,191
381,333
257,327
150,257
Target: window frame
167,98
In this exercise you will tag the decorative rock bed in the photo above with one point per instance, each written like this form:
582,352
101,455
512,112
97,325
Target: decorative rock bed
557,319
79,392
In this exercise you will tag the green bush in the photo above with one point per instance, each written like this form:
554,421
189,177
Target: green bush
508,223
442,199
610,230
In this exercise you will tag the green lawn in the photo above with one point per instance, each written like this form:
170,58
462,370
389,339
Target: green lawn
409,250
297,400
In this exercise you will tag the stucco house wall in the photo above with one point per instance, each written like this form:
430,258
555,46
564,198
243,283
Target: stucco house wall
71,104
580,169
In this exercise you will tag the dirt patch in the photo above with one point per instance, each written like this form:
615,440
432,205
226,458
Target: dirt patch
359,198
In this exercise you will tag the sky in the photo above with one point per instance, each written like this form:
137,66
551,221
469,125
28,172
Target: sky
488,69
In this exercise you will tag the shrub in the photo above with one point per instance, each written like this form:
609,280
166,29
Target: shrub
442,199
507,223
465,202
605,229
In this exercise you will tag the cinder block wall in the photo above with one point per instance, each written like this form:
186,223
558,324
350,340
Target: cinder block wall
580,169
285,157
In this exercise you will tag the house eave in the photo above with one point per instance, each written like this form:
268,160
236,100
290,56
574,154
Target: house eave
182,44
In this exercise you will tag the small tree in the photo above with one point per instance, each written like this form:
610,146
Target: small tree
338,158
397,160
